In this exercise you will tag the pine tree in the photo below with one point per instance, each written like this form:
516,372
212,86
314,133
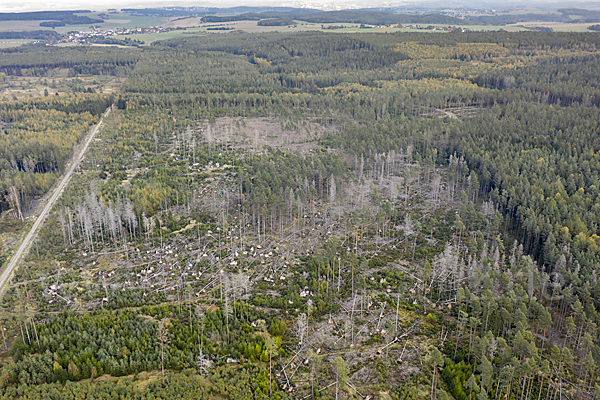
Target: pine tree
435,360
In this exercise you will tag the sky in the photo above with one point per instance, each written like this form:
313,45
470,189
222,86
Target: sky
100,5
32,5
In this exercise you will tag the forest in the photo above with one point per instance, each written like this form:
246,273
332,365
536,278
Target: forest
307,215
44,35
276,22
67,17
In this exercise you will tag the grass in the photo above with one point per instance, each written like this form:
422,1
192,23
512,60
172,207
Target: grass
6,43
183,22
148,38
21,26
251,26
115,21
558,26
132,21
350,27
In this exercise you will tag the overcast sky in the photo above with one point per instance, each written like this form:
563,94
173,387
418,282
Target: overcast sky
32,5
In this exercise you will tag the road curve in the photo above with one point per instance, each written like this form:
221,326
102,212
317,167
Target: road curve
6,274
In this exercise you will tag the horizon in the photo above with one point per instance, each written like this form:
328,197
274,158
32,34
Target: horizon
410,5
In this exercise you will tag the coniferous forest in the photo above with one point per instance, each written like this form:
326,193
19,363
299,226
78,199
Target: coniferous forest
303,216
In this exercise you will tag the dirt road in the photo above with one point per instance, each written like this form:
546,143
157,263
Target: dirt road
7,273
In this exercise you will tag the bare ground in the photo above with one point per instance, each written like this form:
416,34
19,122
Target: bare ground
254,134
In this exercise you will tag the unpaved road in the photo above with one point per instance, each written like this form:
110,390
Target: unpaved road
6,274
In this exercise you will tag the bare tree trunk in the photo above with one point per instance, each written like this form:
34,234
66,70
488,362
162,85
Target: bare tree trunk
162,362
27,331
3,337
397,310
36,335
270,376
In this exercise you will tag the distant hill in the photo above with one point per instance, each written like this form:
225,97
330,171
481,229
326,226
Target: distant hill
252,16
68,17
386,16
41,35
196,11
504,19
516,18
378,18
163,12
345,16
586,14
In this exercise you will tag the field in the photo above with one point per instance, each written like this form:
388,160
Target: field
114,21
183,22
22,26
6,43
149,38
252,27
558,26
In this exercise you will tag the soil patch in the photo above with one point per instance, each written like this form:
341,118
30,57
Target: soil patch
254,134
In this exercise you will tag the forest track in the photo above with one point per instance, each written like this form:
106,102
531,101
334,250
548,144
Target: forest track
10,268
